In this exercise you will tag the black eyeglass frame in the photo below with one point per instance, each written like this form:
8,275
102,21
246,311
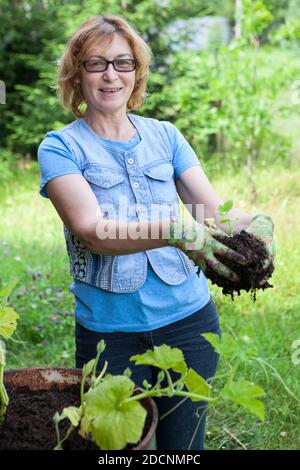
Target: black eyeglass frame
133,61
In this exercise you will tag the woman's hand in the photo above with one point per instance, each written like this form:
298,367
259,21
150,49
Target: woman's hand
198,242
262,226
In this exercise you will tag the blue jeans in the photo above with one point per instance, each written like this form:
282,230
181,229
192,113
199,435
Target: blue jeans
176,430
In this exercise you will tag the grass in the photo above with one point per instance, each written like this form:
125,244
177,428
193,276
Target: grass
271,323
32,249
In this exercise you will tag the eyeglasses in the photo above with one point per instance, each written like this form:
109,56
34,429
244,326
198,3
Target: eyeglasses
100,65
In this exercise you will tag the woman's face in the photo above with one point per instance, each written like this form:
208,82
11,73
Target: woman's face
94,84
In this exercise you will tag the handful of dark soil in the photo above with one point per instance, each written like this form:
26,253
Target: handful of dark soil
252,275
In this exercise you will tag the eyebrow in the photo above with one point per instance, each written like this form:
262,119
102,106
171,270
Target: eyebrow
119,55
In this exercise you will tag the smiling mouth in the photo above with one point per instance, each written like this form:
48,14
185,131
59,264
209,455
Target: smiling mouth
110,92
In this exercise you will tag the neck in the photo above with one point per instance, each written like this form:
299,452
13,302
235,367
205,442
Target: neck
112,127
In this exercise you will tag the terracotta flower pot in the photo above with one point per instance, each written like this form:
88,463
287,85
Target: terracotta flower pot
47,379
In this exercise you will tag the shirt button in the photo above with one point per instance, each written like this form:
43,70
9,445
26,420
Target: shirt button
130,161
136,185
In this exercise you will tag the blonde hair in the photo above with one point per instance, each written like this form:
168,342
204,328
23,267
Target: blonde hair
100,29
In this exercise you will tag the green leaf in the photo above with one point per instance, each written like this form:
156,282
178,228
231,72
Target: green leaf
5,293
88,367
244,393
127,372
226,207
8,322
230,347
113,423
196,384
146,385
214,340
224,221
85,427
73,414
2,353
164,357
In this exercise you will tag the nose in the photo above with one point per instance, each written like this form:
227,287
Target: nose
110,72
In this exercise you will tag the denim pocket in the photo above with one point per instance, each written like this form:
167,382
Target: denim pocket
161,183
103,180
106,184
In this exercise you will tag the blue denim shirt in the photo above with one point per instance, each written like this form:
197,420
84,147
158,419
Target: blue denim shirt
133,185
156,303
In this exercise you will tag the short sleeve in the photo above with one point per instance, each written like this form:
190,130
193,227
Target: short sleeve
183,155
55,158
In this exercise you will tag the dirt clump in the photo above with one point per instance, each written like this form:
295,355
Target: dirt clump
252,277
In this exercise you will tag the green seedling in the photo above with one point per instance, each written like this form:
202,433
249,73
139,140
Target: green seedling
223,210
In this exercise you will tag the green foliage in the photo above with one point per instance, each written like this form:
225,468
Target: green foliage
287,34
110,413
223,210
26,27
8,162
245,394
8,324
225,102
162,357
241,349
112,422
28,61
226,207
256,18
196,384
221,99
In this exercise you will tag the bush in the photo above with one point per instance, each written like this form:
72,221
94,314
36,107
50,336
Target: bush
7,165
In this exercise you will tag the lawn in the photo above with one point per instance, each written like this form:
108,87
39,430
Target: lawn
32,249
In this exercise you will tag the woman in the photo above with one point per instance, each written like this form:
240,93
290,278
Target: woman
114,179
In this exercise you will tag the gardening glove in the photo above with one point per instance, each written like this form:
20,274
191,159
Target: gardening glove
262,226
198,242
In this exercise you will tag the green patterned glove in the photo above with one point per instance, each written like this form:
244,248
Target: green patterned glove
199,244
262,226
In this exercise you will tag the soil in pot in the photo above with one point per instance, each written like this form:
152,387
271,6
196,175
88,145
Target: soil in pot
251,276
29,422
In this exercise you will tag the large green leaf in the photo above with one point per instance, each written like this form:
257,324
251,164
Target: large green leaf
164,357
230,347
8,322
244,393
196,384
113,423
